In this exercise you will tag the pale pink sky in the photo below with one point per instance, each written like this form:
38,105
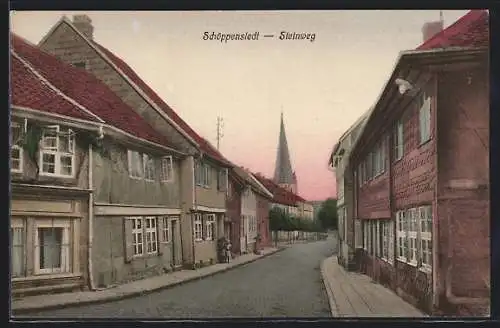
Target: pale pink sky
321,86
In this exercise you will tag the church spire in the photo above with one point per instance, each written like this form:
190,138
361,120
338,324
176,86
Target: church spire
283,173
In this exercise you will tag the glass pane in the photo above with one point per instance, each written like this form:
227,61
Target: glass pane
66,165
50,246
17,251
48,163
64,144
15,162
138,224
50,140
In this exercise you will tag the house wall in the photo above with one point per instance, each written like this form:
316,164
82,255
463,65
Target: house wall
110,262
233,212
210,196
68,46
32,208
373,197
463,187
411,185
249,210
263,207
111,178
132,197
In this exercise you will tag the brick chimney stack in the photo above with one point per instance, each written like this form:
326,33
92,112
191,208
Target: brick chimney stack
84,24
432,28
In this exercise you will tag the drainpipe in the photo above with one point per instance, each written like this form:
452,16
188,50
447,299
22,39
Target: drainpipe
91,219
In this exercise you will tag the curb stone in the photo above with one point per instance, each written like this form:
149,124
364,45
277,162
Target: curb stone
118,297
331,298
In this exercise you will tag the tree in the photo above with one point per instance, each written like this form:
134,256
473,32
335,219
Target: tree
327,215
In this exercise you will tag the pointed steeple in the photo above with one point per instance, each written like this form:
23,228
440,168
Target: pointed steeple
283,173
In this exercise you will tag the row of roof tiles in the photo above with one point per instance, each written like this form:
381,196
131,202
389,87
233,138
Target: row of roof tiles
41,81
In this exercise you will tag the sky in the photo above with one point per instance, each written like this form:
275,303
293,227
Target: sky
321,87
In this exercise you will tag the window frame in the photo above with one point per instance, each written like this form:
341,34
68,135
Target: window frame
139,241
149,169
398,140
133,155
56,152
424,115
198,223
151,232
210,227
426,216
167,169
412,235
15,146
19,224
401,236
166,233
66,254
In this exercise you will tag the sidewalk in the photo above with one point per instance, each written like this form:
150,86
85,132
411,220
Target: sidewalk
355,295
135,288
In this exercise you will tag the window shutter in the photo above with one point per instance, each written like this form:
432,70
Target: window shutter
127,232
161,242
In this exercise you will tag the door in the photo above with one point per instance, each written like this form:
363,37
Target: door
176,247
243,234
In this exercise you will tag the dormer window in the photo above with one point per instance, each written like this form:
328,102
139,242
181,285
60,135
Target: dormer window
57,153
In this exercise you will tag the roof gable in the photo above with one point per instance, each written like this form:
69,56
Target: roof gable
132,75
86,90
145,91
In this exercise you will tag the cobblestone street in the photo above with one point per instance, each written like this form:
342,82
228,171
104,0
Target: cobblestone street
285,284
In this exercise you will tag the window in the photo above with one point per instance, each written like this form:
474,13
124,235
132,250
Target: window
57,154
222,180
16,152
425,118
135,165
202,174
52,248
151,237
210,226
137,236
412,235
401,236
167,169
374,236
416,248
198,228
365,235
166,230
149,167
398,141
387,241
426,236
207,176
17,250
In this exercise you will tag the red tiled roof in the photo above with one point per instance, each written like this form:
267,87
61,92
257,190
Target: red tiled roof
471,30
87,90
132,75
280,195
27,90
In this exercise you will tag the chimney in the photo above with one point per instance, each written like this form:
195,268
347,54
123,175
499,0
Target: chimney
431,28
84,24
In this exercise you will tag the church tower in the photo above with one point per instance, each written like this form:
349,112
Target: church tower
284,175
